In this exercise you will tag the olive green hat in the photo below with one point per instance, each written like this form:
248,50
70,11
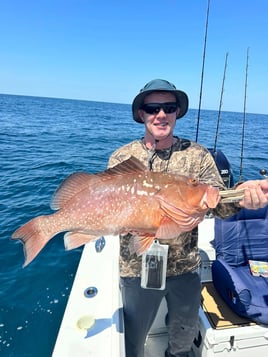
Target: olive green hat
159,85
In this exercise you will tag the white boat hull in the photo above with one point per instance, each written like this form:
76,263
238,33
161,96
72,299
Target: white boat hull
101,334
93,326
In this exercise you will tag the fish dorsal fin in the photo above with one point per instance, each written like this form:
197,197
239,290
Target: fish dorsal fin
131,165
72,185
79,181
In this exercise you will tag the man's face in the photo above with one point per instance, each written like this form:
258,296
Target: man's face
159,124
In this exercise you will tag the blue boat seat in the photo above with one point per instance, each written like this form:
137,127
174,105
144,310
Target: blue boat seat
238,239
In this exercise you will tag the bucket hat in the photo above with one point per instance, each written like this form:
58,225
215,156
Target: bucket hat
159,85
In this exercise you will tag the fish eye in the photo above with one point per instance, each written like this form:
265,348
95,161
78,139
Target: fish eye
193,181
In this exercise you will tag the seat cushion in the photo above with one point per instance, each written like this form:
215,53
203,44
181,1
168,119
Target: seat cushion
244,293
242,237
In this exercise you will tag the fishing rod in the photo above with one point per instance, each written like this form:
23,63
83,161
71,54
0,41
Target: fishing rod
220,105
202,73
220,159
244,120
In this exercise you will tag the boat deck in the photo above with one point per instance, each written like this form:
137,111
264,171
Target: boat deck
93,321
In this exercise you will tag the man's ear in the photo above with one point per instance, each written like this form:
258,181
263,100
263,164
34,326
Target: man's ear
141,114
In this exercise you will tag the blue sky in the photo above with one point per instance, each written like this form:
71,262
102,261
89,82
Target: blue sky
107,50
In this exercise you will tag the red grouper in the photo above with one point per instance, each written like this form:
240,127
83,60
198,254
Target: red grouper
122,199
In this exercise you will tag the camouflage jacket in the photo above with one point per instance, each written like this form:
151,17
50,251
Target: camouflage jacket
187,158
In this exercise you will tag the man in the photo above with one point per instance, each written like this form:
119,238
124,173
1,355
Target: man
158,105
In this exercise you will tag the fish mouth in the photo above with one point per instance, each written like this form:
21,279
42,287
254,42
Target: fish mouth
205,205
211,198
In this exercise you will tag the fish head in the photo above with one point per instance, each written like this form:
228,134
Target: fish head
190,195
186,201
197,194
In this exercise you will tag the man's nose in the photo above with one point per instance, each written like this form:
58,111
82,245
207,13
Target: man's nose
161,113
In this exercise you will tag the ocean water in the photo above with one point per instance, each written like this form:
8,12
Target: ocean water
43,140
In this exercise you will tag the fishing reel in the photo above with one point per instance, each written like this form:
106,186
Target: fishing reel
263,172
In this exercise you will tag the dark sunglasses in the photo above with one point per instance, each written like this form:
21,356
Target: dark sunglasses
154,108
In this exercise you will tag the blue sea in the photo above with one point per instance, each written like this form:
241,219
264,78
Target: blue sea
43,140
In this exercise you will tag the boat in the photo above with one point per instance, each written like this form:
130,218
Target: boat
92,324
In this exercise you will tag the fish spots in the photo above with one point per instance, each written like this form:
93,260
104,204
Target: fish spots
142,193
134,189
147,184
125,189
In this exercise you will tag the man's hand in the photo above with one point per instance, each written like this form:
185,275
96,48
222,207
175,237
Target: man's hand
255,194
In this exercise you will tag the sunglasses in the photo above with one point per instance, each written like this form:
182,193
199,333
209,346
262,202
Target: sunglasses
154,108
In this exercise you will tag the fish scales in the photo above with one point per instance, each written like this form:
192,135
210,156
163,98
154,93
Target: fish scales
126,198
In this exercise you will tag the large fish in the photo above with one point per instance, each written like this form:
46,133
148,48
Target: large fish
122,199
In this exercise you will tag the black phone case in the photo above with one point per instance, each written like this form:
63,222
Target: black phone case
155,268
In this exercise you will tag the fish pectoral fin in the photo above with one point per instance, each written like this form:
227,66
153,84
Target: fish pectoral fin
74,240
140,243
168,229
185,221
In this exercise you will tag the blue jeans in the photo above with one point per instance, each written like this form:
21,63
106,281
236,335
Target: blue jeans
140,307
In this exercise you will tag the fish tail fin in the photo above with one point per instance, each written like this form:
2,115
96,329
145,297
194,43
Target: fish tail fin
74,240
33,236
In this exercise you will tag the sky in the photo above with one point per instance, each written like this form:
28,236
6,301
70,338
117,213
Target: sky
107,50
